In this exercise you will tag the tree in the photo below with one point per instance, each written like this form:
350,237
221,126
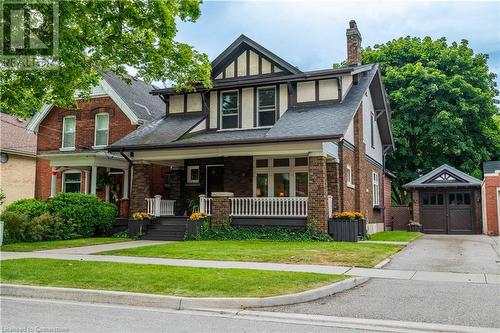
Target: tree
443,106
98,36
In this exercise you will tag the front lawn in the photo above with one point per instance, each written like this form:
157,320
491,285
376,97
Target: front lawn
48,245
395,236
325,253
160,279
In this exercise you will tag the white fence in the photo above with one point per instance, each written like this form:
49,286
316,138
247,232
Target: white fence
158,207
205,205
274,206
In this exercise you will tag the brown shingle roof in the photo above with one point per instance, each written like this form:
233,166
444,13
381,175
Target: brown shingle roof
14,136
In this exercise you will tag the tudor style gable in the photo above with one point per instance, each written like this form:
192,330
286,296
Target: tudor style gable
245,58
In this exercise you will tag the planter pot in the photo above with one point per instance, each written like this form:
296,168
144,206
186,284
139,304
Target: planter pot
135,227
362,229
415,228
344,230
193,228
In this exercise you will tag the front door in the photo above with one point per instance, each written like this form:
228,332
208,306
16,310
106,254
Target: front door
215,179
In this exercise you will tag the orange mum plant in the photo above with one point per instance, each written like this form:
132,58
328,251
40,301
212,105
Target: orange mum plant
197,216
351,215
141,216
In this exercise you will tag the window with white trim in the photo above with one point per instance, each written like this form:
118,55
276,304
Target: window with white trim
193,174
266,106
375,189
281,177
229,109
69,132
350,183
101,136
72,181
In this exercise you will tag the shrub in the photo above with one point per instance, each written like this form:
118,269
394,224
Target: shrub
29,207
228,232
13,226
55,228
85,212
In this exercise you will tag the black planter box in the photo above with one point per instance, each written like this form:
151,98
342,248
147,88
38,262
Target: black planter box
415,228
136,226
193,228
344,230
362,229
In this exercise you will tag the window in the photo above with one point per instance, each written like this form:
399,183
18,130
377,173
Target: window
349,176
281,177
193,174
376,189
458,199
229,109
101,129
72,182
69,130
266,106
432,199
372,119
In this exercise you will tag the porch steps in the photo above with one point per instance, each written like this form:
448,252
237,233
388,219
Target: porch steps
167,228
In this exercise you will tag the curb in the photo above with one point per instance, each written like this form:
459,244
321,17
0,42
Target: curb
174,302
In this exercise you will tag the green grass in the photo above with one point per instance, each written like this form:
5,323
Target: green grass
48,245
395,236
160,279
327,253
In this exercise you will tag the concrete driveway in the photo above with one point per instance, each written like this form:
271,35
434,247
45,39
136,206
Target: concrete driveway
449,253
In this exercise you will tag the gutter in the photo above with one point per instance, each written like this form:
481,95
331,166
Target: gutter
222,143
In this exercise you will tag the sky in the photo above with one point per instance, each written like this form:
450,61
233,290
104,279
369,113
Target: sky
311,34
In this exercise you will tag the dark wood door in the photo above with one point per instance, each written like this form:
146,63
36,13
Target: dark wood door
215,179
460,212
433,212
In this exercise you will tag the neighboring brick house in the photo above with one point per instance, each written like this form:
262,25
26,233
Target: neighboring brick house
72,144
17,159
491,198
270,143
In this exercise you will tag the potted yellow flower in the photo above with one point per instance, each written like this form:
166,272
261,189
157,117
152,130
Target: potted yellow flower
347,226
138,223
195,222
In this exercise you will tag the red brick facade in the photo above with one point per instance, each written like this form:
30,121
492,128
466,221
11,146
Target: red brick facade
317,209
491,197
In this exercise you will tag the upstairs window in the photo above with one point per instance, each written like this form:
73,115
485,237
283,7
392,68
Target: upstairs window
229,109
69,131
101,129
266,106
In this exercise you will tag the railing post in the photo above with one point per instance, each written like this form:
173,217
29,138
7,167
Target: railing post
203,203
157,205
330,206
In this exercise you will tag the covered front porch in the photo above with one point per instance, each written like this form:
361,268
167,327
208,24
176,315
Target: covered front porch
286,187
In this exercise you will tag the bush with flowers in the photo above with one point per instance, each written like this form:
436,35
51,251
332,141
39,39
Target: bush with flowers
141,216
197,216
349,215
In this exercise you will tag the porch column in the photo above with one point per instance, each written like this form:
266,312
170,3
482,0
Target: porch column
416,206
53,182
86,173
125,184
317,205
140,189
93,180
221,207
107,189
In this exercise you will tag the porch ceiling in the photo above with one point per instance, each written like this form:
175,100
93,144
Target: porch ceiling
311,148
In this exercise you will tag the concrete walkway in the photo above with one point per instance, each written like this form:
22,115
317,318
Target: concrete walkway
483,278
104,247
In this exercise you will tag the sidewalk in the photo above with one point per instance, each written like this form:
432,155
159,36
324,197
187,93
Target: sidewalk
481,278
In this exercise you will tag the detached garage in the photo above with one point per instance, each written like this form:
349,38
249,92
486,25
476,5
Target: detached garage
447,201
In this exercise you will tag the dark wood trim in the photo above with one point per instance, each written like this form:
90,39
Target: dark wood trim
218,110
272,68
206,107
240,99
248,62
339,84
278,110
255,101
260,64
316,90
167,105
235,67
292,94
185,103
224,73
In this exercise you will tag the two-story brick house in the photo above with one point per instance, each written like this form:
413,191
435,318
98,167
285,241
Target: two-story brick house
269,142
72,145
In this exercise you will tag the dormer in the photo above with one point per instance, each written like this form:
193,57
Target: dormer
245,59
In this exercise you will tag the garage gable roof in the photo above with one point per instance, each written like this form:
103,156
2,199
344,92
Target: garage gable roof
444,176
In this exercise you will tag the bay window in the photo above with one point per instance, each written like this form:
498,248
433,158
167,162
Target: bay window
69,131
281,177
229,109
266,106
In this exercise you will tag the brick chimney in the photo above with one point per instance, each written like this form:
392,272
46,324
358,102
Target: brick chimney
353,44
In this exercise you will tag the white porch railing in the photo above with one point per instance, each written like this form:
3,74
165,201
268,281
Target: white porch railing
158,207
273,206
205,205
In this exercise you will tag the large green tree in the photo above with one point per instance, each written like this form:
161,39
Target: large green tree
97,36
443,106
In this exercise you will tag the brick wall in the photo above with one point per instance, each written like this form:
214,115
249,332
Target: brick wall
347,194
400,215
491,185
221,208
318,201
238,175
415,210
332,173
50,135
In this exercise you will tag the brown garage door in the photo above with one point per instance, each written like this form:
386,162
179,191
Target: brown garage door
447,212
